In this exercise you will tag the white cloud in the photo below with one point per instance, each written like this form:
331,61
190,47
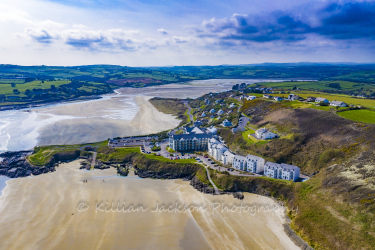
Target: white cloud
162,31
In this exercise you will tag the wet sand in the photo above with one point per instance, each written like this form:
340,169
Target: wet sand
96,127
41,212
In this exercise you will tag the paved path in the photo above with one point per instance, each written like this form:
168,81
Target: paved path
94,154
189,111
217,192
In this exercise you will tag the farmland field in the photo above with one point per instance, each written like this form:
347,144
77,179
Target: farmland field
362,115
331,97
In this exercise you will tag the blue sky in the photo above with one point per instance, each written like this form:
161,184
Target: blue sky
204,32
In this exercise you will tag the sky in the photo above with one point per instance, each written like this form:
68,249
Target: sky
194,32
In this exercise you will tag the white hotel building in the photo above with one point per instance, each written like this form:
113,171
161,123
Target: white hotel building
281,171
250,163
219,152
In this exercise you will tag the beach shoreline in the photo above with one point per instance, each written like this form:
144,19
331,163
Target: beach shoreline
57,196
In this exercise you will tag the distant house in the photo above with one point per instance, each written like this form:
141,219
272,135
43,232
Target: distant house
281,171
278,98
338,104
293,97
197,124
232,105
227,123
267,96
250,98
212,130
242,97
13,98
212,116
220,112
320,99
310,99
218,101
265,134
206,101
203,114
212,111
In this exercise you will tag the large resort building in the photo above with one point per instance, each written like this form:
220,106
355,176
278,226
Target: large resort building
193,139
200,139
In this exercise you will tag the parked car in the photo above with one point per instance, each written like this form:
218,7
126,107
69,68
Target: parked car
212,162
209,160
206,156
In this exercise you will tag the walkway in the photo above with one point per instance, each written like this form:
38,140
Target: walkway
189,111
217,192
94,154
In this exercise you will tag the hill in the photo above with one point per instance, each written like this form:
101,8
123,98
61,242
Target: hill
336,207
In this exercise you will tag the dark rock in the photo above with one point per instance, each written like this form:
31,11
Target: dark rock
200,186
238,195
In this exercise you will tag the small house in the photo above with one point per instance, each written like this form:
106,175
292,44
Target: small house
227,123
310,99
338,104
320,99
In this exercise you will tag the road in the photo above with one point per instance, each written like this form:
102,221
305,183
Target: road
242,124
219,168
189,111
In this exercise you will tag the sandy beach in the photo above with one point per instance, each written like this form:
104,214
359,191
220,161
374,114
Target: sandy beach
145,119
58,210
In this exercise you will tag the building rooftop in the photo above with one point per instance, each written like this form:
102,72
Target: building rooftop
190,136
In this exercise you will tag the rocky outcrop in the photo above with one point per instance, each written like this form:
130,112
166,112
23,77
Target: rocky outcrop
161,175
238,195
85,165
15,165
200,186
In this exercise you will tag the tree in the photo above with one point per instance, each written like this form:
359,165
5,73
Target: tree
16,91
27,92
295,87
13,85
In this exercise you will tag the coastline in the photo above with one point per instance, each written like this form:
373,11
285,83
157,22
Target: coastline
148,118
58,211
48,102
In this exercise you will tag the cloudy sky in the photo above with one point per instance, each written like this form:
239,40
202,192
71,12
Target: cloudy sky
191,32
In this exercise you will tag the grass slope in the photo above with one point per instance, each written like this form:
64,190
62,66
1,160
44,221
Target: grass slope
361,115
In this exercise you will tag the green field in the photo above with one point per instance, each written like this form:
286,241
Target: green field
332,97
319,85
246,136
361,115
7,89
